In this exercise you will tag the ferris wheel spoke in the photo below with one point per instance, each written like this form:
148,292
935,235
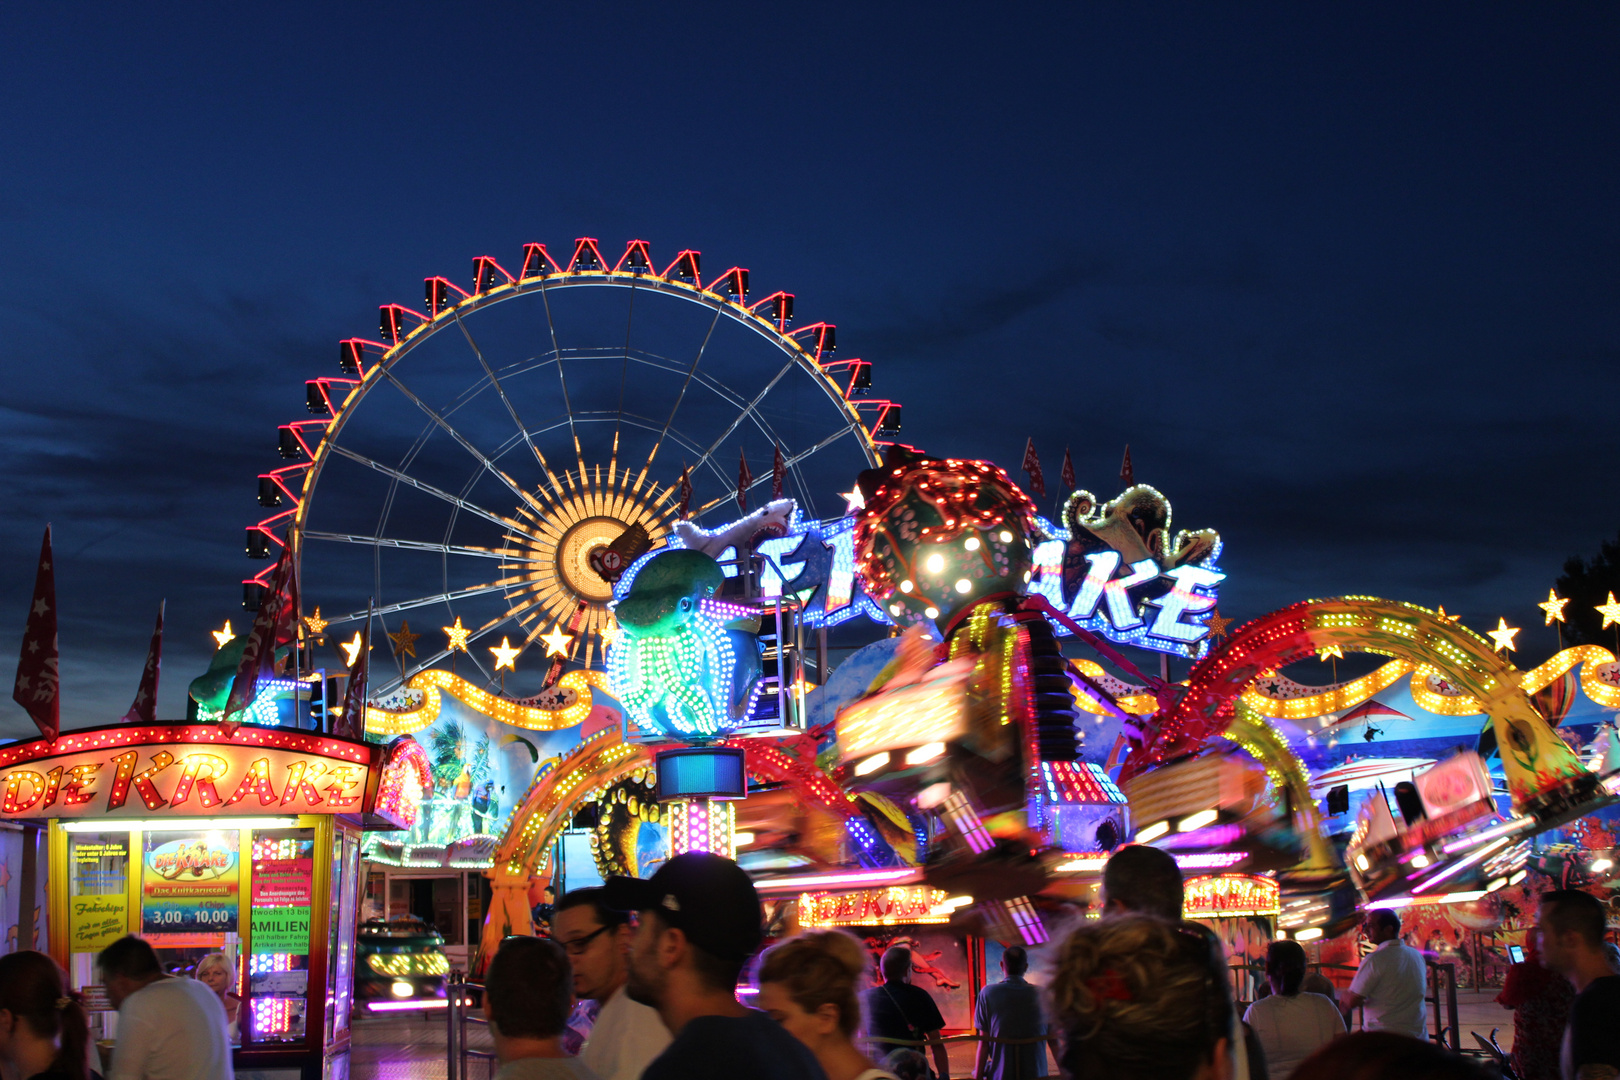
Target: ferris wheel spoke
500,391
788,463
427,601
748,410
426,488
675,408
461,440
562,377
504,554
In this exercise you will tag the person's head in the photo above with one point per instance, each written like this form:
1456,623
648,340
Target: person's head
1379,1055
896,964
1318,983
218,973
596,939
126,966
1145,879
1381,925
1611,952
1141,997
1570,929
700,922
807,984
907,1064
1285,967
1014,961
528,994
35,1003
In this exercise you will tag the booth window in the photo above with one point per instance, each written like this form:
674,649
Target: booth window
283,882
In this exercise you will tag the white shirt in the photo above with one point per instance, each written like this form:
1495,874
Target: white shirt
1393,979
1290,1029
172,1029
626,1037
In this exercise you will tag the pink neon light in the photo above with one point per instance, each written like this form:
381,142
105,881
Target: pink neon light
400,1006
862,877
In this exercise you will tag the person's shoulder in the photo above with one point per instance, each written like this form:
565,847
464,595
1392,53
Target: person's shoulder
1602,992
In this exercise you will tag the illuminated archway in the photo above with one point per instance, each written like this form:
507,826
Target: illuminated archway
1535,761
596,764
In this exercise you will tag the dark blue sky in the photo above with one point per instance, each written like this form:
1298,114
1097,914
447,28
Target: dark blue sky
1345,280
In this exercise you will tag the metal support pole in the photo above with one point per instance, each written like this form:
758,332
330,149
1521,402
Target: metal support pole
452,1026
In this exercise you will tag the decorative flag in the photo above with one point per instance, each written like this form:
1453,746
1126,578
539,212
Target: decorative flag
352,724
38,687
1067,475
1126,473
144,708
1032,466
686,490
745,480
275,625
778,473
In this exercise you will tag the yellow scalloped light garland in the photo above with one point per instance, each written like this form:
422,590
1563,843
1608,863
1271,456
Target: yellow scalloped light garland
1349,695
390,723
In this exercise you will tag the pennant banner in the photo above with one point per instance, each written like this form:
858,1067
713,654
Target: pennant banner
745,480
144,708
38,686
778,473
686,490
274,626
1067,475
1032,466
1126,472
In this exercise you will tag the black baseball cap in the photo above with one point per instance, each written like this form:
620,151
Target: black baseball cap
709,898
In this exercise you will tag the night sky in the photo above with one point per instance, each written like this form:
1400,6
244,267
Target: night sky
1344,281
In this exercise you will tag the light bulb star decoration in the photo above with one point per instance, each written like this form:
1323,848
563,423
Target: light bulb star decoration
1554,607
222,636
1333,651
1441,611
458,636
315,624
557,641
505,655
405,641
1502,637
1217,624
351,650
1610,612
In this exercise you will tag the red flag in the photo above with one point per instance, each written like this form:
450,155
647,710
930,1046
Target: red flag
778,473
1126,473
1067,475
686,490
144,708
352,724
38,688
275,625
745,480
1032,466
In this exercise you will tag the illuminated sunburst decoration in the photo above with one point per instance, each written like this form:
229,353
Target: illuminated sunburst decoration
574,539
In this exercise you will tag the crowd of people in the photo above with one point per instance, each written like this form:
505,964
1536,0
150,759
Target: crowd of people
639,979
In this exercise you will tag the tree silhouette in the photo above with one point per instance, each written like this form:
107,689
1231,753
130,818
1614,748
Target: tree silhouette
1587,583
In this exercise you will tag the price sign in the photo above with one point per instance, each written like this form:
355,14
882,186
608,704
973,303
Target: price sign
189,883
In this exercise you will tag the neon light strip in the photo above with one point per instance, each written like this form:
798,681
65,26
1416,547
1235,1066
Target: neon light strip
1460,865
1507,828
171,824
865,878
401,1006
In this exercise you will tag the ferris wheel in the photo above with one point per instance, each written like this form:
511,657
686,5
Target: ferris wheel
475,478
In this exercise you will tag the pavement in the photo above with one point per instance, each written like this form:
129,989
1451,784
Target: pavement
412,1046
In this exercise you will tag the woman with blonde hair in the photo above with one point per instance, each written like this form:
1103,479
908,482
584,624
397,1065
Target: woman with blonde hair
808,984
44,1032
217,971
1139,998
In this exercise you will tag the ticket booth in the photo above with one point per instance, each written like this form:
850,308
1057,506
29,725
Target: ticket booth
247,846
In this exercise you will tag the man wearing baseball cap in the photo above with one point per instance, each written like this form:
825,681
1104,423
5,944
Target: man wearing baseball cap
699,924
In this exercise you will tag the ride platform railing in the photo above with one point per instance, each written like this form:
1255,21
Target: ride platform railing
459,993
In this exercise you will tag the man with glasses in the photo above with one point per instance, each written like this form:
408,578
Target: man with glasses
627,1035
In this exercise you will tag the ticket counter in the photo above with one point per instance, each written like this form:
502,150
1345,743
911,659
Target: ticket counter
246,846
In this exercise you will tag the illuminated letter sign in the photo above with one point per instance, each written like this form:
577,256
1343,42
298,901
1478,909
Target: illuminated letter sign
1115,570
183,771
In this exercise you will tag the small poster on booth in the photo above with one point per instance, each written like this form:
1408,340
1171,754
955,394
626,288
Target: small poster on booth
94,922
283,882
189,883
